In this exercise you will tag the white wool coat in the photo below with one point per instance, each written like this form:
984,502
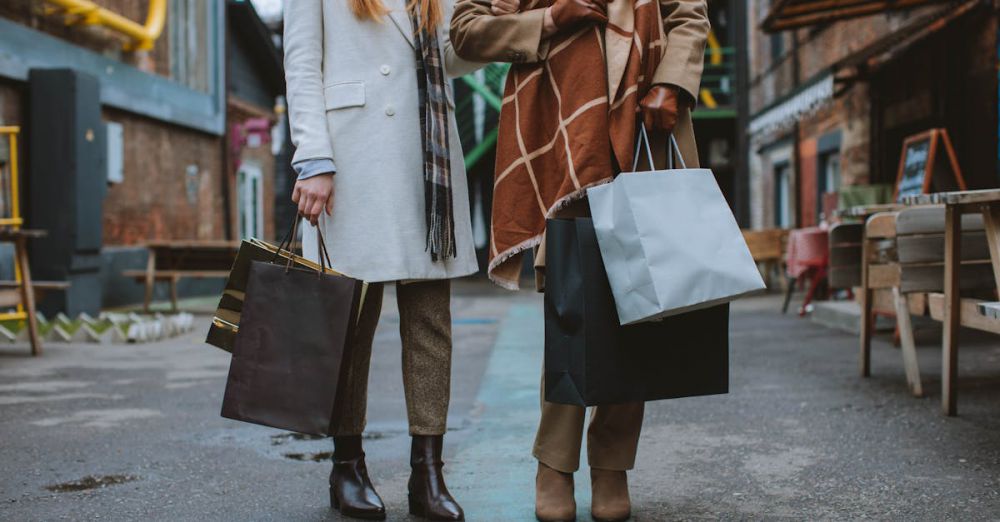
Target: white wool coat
352,98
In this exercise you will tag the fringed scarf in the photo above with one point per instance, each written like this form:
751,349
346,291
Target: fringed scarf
562,129
431,78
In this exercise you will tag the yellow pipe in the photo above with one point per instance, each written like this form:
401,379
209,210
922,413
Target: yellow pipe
715,49
142,36
708,99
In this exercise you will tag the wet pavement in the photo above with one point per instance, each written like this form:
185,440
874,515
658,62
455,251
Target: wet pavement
132,432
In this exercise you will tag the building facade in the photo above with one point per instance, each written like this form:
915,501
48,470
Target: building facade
834,91
173,142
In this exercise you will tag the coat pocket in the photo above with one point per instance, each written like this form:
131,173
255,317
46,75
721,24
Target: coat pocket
344,94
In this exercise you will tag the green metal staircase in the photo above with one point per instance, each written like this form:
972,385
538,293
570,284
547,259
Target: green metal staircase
486,87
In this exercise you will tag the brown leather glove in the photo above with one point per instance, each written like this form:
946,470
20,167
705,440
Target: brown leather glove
661,106
567,14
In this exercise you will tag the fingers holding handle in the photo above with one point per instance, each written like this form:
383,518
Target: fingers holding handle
314,196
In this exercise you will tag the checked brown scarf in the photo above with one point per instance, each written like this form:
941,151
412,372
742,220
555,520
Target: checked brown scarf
562,130
438,205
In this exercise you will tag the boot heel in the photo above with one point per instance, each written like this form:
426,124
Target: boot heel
334,501
415,508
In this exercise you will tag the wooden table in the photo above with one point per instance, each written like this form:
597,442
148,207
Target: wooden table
172,260
865,211
956,204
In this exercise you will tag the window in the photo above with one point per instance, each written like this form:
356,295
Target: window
250,200
782,196
191,49
777,47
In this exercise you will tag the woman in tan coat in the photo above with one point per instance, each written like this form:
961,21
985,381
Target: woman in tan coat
583,70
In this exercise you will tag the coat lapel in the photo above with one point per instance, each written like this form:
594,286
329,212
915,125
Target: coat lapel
618,37
401,19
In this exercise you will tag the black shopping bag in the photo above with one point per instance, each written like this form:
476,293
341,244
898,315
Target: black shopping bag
226,321
591,360
291,346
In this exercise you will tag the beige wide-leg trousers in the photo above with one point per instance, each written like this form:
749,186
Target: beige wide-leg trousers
425,328
612,437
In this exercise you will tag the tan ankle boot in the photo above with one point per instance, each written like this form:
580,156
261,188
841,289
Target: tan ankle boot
554,501
609,492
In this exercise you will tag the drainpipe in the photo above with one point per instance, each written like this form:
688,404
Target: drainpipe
142,37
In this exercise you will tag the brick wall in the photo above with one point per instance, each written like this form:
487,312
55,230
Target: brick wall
172,188
816,50
956,66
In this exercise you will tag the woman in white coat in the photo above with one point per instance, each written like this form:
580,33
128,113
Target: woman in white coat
381,173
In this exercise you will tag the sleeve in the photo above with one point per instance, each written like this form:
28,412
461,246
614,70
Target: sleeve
455,65
480,36
304,80
309,168
687,26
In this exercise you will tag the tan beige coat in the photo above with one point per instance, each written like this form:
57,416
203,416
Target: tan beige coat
478,35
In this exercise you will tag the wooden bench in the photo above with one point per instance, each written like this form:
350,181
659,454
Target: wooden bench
920,249
171,261
952,308
767,247
10,291
879,275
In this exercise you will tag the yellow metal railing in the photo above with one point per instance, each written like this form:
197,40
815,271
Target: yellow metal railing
14,220
142,37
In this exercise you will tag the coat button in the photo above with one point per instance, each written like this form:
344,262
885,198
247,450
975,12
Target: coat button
389,111
385,70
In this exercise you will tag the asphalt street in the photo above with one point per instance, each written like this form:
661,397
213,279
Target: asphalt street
133,432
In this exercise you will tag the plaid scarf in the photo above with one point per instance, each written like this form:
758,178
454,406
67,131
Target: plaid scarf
434,136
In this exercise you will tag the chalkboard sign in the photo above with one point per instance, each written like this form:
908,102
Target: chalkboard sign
922,170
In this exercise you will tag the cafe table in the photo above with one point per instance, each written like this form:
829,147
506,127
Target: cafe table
956,204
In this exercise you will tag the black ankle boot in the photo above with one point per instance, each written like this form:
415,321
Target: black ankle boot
428,494
351,491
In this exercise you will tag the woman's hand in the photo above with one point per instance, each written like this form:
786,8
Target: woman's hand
567,14
314,195
505,7
661,106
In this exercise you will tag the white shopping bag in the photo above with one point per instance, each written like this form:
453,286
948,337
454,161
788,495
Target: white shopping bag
669,241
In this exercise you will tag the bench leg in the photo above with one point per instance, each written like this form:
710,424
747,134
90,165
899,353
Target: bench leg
907,343
150,280
952,312
867,297
28,295
991,218
173,294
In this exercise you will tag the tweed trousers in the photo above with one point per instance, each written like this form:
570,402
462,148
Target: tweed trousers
425,328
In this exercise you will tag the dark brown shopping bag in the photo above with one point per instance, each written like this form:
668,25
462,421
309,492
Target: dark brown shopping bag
291,345
226,322
591,360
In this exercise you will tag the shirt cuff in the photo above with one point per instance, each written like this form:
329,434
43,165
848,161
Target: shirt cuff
306,169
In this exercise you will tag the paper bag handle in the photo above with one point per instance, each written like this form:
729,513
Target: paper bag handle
286,245
672,149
